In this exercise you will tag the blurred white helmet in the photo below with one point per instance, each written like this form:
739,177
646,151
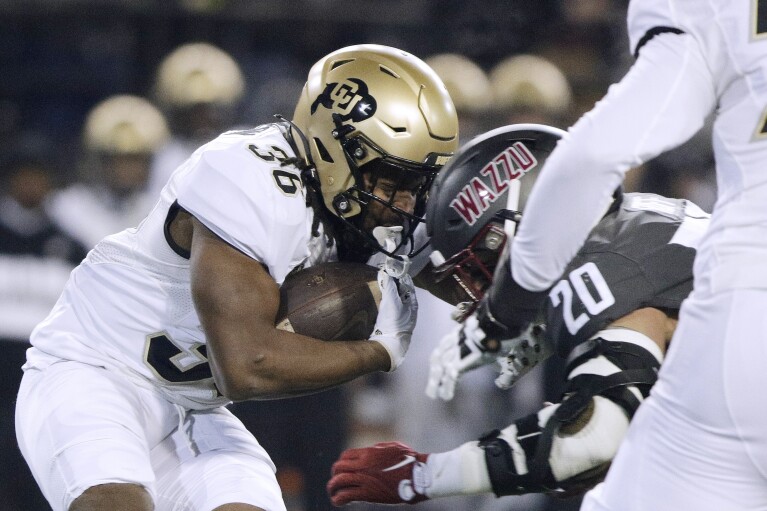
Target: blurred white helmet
199,73
467,83
125,124
529,81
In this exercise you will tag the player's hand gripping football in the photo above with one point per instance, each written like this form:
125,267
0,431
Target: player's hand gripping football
396,315
386,473
468,347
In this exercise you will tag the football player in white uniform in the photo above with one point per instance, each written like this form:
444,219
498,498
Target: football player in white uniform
121,406
610,316
700,440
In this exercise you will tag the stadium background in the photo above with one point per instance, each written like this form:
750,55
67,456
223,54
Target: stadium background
60,58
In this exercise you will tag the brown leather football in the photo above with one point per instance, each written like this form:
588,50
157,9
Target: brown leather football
330,301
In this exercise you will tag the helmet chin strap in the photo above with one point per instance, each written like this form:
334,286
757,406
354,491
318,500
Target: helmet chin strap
304,141
309,169
310,178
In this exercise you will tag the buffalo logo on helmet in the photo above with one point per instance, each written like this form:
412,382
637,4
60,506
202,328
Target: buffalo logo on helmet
477,195
350,99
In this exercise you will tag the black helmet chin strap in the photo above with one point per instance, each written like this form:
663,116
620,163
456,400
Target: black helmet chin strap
311,180
509,214
304,141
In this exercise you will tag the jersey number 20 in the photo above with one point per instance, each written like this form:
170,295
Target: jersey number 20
595,300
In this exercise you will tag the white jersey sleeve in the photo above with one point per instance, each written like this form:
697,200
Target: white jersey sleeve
661,102
242,193
647,19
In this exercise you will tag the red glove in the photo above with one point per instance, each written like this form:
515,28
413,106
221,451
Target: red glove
387,473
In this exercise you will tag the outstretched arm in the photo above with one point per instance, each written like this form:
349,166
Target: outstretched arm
660,103
504,327
564,448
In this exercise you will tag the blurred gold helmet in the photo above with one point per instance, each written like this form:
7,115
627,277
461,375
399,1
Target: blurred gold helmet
531,82
125,125
467,83
199,73
371,103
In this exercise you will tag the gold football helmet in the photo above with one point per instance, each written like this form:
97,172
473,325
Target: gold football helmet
530,82
372,103
199,73
125,124
466,82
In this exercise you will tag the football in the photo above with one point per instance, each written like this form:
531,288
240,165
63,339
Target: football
330,301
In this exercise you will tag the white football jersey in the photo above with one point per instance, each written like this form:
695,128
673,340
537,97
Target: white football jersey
694,58
129,306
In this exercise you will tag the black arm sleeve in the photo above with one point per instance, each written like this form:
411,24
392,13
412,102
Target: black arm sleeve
507,303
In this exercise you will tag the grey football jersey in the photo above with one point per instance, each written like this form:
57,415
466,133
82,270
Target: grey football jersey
638,255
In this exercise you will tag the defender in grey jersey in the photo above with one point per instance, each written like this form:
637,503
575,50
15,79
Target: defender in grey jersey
610,315
639,255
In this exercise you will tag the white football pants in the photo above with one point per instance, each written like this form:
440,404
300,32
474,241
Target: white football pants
699,443
79,426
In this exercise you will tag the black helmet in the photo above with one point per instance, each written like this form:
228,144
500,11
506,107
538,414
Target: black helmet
473,203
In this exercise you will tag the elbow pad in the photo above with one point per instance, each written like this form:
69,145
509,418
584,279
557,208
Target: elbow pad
568,447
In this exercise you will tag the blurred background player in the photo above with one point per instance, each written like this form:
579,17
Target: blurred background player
36,257
469,87
610,318
198,86
120,136
529,88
